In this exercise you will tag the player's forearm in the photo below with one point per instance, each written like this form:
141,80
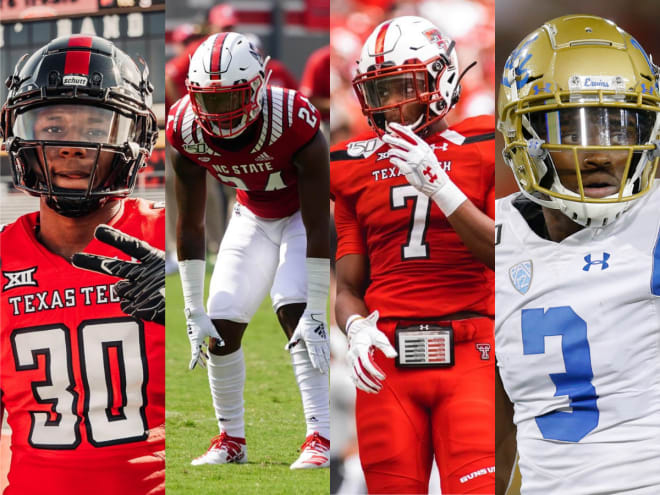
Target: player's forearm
348,303
315,211
505,438
318,238
476,230
190,241
313,166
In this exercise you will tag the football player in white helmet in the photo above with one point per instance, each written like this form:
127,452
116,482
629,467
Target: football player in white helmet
413,208
577,275
264,142
407,73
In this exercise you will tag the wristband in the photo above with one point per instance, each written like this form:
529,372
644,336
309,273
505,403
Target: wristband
449,197
318,283
192,282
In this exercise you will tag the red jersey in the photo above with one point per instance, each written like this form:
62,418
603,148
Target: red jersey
83,383
262,171
419,267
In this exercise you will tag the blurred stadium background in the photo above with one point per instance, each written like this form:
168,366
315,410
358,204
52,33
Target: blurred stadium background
137,27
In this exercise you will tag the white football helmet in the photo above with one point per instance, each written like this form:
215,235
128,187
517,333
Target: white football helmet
226,84
407,62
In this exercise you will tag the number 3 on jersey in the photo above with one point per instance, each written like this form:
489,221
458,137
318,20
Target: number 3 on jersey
538,324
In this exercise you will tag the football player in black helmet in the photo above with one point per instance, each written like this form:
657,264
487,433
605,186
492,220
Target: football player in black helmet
78,126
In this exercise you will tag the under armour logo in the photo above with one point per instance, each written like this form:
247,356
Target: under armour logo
432,177
21,278
603,263
423,327
441,147
484,349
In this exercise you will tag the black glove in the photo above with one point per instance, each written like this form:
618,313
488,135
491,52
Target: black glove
142,292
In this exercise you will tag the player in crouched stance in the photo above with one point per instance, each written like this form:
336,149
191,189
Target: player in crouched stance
82,354
578,277
414,208
265,142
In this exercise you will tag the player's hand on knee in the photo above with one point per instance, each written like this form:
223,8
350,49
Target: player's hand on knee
199,326
142,290
363,338
417,161
312,330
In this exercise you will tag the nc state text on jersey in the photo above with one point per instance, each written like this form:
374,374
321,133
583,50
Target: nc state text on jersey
248,168
62,298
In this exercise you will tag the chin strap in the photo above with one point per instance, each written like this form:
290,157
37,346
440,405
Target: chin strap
457,91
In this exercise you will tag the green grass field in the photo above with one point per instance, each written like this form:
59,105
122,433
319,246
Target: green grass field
275,426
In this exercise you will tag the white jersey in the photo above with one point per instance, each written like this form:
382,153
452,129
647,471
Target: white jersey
577,339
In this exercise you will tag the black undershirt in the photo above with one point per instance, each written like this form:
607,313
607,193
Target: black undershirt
533,215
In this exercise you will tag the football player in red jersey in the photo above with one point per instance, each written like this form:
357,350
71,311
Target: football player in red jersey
81,353
414,207
265,142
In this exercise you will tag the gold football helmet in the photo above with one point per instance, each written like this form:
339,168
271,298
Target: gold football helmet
578,107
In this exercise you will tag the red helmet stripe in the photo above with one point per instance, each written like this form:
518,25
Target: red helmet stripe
77,61
216,53
380,43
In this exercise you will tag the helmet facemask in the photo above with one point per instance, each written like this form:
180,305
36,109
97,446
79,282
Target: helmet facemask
227,111
76,156
585,158
401,94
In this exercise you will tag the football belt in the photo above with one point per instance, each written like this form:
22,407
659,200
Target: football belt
424,346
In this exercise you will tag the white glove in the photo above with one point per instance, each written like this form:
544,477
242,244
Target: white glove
363,336
312,330
417,161
200,326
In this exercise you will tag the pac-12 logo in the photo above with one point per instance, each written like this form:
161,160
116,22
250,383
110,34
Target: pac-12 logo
20,278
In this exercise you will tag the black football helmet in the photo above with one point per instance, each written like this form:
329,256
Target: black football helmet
77,123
